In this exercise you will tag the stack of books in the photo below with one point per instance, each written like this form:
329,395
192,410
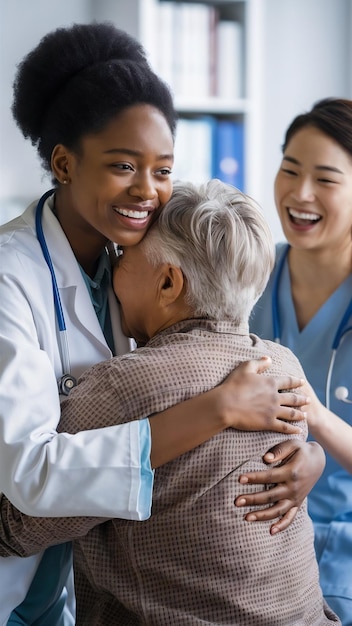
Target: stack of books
197,53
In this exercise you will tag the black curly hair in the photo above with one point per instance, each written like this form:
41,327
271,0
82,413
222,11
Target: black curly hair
77,79
332,116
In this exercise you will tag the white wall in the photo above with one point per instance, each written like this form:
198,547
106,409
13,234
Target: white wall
307,56
22,24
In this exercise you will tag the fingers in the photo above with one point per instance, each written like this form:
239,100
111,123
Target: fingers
258,478
282,451
279,426
288,382
284,522
255,366
285,477
277,510
283,383
290,414
261,365
293,399
283,510
286,484
260,498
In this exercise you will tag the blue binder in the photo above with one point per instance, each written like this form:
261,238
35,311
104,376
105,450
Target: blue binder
228,153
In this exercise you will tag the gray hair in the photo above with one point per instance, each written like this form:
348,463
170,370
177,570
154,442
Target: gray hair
218,237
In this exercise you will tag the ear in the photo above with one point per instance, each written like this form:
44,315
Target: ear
172,282
60,163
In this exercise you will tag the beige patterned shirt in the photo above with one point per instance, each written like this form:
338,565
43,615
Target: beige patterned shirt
195,561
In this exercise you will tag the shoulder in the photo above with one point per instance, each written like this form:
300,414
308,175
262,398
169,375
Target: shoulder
283,359
18,235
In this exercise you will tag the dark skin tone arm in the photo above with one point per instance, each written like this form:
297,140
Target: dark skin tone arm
245,400
248,402
22,535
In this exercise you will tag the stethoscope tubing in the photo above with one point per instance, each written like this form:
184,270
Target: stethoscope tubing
42,242
339,335
67,381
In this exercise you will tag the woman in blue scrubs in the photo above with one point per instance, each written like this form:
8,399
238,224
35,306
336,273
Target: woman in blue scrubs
307,307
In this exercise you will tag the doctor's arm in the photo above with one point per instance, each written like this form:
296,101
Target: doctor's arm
333,433
245,401
22,535
90,405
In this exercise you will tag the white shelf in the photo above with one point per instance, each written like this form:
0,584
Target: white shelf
140,18
212,105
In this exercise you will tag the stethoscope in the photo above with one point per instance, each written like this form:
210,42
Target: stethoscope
67,381
341,393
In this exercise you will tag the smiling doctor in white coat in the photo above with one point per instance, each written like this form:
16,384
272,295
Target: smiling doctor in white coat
104,125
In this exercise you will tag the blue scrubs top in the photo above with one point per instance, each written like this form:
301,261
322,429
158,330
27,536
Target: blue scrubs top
45,602
330,501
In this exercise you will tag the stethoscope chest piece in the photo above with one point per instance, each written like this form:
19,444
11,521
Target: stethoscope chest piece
66,383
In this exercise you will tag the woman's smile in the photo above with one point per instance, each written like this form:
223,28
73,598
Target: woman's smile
303,219
136,215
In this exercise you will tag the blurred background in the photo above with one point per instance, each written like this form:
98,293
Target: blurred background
240,70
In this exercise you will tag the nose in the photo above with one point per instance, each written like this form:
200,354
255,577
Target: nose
303,190
143,186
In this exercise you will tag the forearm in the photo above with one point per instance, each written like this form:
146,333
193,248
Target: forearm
334,435
185,426
22,535
245,400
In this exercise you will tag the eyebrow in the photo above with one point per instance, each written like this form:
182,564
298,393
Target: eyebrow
329,168
134,153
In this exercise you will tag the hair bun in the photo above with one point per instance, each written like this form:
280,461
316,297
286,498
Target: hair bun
60,55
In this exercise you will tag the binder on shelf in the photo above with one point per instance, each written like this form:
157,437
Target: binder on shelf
229,80
165,43
193,39
194,149
185,47
228,153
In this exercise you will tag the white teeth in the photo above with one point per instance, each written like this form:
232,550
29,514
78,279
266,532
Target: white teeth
312,217
135,214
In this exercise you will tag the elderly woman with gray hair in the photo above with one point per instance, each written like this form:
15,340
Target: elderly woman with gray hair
186,292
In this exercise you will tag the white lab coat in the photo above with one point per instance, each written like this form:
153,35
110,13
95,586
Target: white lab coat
43,472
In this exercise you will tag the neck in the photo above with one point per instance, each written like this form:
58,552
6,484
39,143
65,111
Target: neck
177,312
314,278
325,269
86,243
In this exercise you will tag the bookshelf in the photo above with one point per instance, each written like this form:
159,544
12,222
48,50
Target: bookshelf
210,54
280,77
